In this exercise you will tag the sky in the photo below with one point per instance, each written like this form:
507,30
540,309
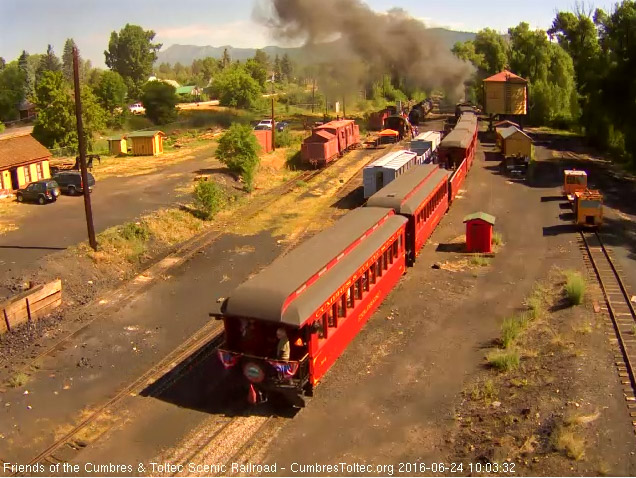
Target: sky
32,24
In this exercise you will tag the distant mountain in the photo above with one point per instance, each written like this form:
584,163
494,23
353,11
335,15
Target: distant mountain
186,54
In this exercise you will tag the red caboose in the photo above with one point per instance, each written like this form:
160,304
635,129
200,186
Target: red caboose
421,195
288,324
319,149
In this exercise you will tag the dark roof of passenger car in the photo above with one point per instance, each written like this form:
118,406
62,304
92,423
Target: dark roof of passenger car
264,295
396,192
458,138
405,193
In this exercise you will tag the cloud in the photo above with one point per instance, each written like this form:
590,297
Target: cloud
239,34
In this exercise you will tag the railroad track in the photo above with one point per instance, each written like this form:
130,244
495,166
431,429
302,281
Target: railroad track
199,346
620,310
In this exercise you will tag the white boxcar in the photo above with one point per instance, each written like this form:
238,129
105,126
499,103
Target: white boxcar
425,145
384,170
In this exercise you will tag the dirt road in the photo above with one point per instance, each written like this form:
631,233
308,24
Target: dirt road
45,229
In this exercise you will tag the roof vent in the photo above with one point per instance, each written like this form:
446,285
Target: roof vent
390,195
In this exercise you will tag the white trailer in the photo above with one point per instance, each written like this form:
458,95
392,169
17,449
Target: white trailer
385,169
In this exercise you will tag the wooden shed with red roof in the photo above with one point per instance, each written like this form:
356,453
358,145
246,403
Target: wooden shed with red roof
505,94
23,159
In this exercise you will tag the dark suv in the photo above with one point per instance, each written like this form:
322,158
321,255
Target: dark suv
43,191
71,182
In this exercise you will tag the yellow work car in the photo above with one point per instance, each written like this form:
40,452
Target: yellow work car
574,181
588,208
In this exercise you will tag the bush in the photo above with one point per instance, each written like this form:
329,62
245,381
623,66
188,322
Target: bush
286,138
504,360
1,126
235,87
574,287
208,199
497,239
135,231
238,150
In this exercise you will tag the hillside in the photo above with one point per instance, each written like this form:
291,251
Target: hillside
185,54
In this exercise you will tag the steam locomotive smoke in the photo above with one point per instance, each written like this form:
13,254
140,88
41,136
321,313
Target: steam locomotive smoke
393,42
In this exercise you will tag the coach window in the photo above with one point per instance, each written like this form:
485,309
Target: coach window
400,242
332,317
385,262
365,281
358,289
395,249
321,325
378,266
350,297
342,306
373,273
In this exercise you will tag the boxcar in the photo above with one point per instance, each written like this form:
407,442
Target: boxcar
421,195
346,131
320,295
381,172
426,144
320,148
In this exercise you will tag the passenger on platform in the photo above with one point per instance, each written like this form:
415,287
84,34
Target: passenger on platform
282,349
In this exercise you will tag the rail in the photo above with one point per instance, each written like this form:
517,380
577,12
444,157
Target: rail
617,299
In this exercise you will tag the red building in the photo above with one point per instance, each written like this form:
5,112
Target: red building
479,227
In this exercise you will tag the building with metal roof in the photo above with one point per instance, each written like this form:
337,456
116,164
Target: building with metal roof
294,286
385,169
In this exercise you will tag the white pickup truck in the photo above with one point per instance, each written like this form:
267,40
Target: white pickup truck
137,109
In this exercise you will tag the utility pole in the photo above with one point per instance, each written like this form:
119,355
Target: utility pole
273,128
313,96
344,111
82,152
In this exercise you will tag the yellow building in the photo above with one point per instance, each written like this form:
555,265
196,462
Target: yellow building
23,160
505,94
514,142
146,143
117,145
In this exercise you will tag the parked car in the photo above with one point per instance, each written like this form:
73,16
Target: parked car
281,126
265,122
70,182
262,127
137,109
42,191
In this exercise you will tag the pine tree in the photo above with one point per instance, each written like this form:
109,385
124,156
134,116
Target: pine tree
277,69
286,67
67,59
226,60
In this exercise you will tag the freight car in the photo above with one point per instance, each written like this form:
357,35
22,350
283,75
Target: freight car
286,326
329,142
382,171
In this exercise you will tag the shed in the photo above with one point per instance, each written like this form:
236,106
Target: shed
117,145
479,227
146,143
26,109
505,94
515,142
23,159
264,138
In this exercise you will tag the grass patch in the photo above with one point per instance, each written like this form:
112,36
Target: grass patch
301,184
173,226
574,287
480,260
511,329
568,442
497,239
18,380
504,360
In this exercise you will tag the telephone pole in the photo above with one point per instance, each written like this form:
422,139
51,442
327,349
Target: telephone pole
82,152
273,128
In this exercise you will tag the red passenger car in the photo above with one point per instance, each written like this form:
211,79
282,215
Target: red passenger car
317,297
421,195
457,151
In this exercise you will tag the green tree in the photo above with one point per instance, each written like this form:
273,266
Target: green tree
492,47
1,126
286,67
262,59
55,125
3,63
226,61
67,59
29,77
235,87
160,99
12,81
278,72
111,94
256,71
238,149
131,53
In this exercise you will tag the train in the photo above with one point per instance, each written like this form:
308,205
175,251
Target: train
285,326
587,204
419,111
329,142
